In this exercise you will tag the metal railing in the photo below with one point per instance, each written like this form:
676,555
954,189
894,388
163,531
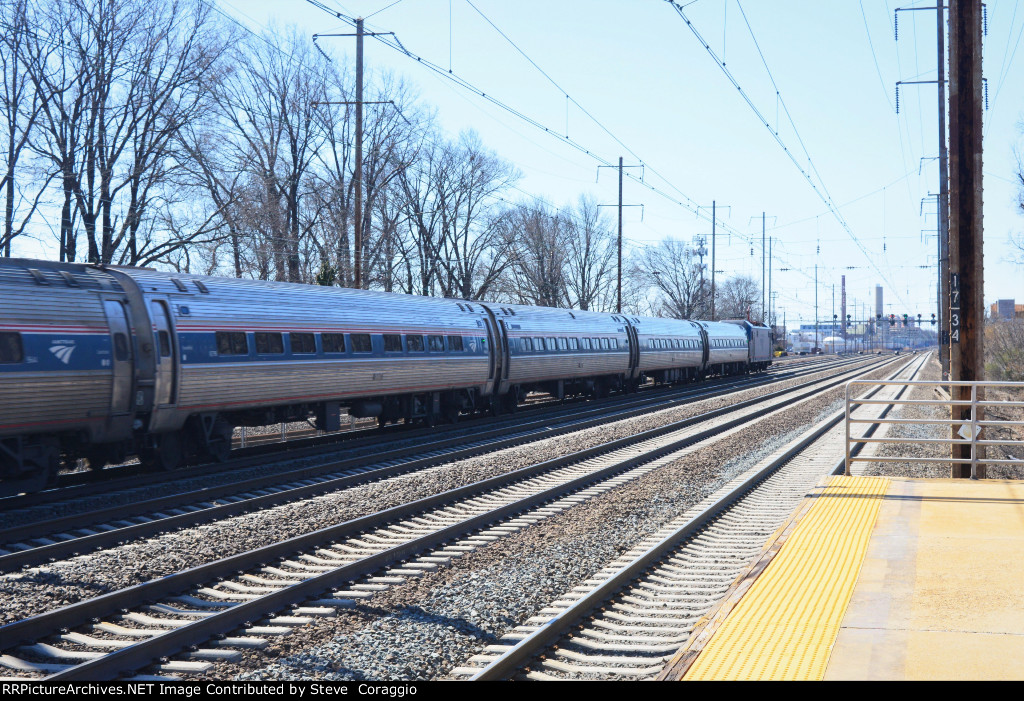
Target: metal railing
970,429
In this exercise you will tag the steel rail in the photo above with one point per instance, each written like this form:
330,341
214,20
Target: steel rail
533,430
141,653
555,628
107,479
48,623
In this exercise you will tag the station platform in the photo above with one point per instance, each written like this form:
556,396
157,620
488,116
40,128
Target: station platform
877,578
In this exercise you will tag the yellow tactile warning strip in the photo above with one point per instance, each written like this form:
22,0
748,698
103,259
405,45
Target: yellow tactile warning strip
786,624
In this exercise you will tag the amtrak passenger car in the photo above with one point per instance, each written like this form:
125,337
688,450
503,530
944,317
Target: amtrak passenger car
102,362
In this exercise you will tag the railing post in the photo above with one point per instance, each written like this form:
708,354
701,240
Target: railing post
974,430
846,464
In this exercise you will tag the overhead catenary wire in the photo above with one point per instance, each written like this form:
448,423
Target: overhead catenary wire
393,42
818,187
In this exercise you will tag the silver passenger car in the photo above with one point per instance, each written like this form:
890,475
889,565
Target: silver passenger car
563,351
244,345
727,348
66,363
671,350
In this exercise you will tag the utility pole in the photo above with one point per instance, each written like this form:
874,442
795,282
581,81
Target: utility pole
965,217
712,260
943,245
764,316
943,200
618,304
815,306
771,300
714,226
358,258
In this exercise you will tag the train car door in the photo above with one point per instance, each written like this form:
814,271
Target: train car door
634,350
705,341
494,351
166,365
121,357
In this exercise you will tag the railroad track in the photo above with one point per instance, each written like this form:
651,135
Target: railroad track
36,542
86,483
314,574
648,600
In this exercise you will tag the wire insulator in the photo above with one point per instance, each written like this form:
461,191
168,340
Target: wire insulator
896,25
984,20
897,98
984,82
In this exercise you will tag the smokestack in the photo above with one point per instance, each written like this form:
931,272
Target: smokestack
843,305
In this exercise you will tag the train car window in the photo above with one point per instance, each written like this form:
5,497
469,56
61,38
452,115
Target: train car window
563,344
525,344
574,344
302,342
414,343
586,343
333,342
269,343
165,344
455,343
360,342
228,343
120,346
538,343
550,344
435,344
392,343
11,350
613,343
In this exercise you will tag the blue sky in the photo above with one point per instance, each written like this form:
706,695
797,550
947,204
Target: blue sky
658,97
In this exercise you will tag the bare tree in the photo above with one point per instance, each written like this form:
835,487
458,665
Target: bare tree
737,297
1004,350
538,271
590,262
457,235
1017,240
268,98
675,272
117,81
19,109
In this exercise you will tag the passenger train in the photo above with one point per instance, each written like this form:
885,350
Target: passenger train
102,362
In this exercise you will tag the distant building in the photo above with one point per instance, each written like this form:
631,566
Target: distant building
1006,309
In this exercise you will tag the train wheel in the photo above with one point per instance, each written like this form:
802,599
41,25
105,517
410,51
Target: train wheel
219,443
168,453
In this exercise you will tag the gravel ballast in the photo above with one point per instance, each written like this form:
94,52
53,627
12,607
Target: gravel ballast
424,628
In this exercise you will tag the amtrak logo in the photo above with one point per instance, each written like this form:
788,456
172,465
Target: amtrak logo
63,352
